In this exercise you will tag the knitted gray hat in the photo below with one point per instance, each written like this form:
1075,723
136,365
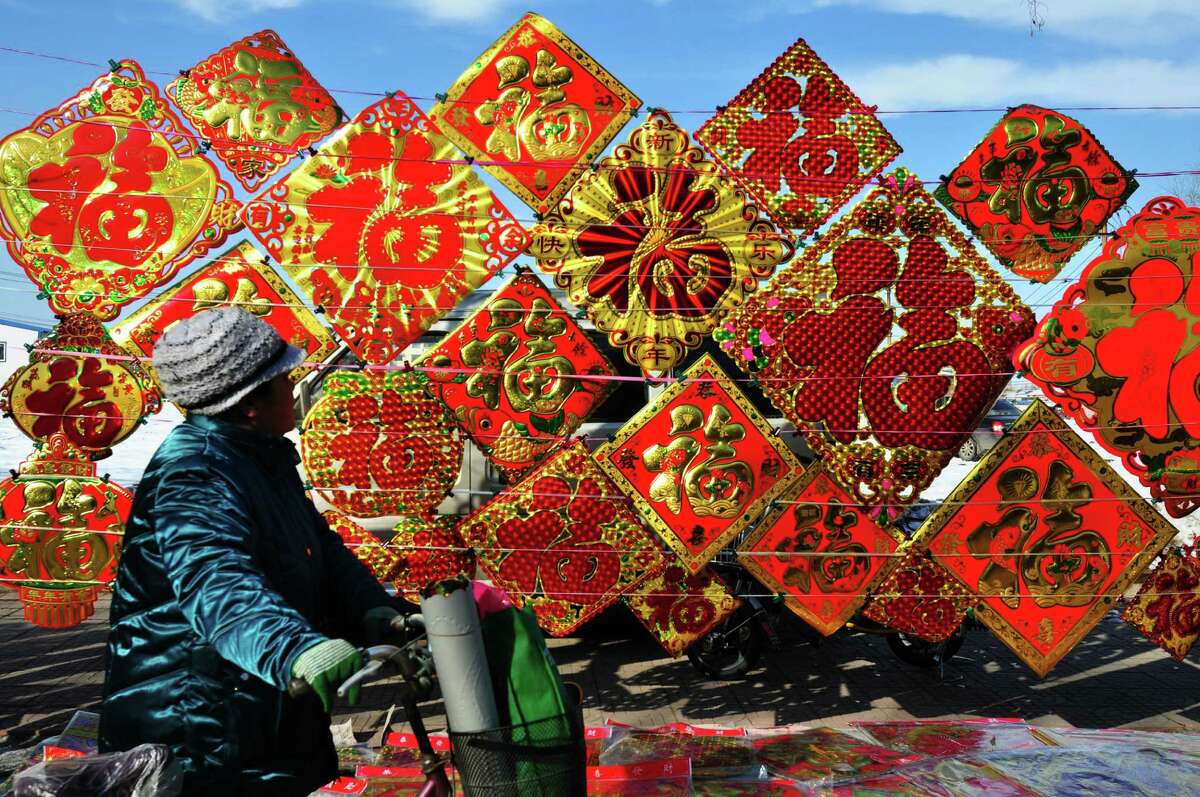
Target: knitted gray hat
210,361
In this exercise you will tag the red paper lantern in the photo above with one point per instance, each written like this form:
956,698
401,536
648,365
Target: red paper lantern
884,343
379,443
563,541
799,140
820,551
536,110
1046,536
516,374
1035,190
700,463
385,228
1117,351
238,278
256,104
106,196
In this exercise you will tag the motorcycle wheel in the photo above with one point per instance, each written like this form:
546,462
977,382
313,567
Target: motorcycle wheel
730,649
923,653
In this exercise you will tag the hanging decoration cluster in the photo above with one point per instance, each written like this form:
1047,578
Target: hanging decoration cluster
883,343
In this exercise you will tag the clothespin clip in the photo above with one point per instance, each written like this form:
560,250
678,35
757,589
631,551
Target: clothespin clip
319,310
114,66
312,152
722,108
407,367
440,97
204,146
105,478
469,159
266,260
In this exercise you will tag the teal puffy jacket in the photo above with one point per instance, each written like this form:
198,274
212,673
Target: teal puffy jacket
228,573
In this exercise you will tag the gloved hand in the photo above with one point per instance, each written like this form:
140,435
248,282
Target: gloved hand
325,665
383,625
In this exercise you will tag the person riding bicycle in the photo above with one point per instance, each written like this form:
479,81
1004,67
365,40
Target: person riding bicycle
230,582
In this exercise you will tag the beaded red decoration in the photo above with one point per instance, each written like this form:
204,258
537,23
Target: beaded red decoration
430,550
919,598
883,344
1035,190
383,561
799,139
1167,607
700,462
678,607
1045,535
519,375
820,551
563,541
1118,351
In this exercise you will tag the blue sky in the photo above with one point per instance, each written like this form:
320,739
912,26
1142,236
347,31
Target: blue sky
897,54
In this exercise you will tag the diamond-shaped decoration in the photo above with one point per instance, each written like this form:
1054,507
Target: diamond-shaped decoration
1167,607
1119,351
884,343
385,228
256,104
536,110
82,386
658,245
701,463
240,278
564,541
920,598
799,139
820,551
1036,189
430,550
1046,535
380,444
679,607
519,375
383,561
107,196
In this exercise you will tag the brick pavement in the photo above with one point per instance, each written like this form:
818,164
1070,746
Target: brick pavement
1113,678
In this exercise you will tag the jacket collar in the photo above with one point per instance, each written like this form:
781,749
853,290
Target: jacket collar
267,448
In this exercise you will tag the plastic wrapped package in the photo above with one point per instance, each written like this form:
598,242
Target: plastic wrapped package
713,756
823,755
148,770
953,737
662,778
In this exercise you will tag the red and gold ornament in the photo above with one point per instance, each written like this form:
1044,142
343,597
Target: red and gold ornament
700,462
1167,607
60,536
1120,354
382,560
799,140
379,443
679,607
237,278
1035,190
535,110
430,550
107,196
1045,535
520,375
385,228
884,343
563,541
256,104
919,598
658,244
820,551
81,385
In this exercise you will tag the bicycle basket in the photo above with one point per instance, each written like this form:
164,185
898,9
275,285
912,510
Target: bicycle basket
544,758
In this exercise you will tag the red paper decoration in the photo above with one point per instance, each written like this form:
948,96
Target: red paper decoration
380,444
107,196
919,598
1035,189
61,534
256,104
536,110
678,608
239,277
799,139
884,343
700,462
82,386
820,551
1046,535
430,550
385,228
383,561
1118,353
658,245
1167,607
563,542
516,375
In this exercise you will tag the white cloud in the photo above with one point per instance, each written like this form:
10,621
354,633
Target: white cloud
455,11
217,10
963,80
